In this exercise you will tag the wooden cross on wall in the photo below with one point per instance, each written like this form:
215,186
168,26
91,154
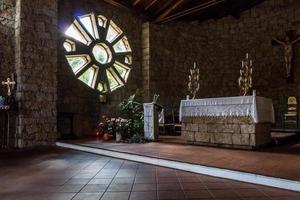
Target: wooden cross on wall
288,43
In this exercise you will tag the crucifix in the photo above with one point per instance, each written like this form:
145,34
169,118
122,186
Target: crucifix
287,45
9,84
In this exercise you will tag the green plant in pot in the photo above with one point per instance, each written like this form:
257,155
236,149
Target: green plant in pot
132,109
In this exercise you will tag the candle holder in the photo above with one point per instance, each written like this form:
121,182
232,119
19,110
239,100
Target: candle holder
193,84
245,79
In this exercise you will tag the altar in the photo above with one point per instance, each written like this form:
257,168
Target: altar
238,122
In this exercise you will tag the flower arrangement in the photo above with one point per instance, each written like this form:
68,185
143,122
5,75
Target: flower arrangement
131,129
111,128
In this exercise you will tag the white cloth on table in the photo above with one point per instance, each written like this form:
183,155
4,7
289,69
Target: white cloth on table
259,108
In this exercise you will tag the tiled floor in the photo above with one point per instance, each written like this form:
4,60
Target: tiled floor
63,174
281,161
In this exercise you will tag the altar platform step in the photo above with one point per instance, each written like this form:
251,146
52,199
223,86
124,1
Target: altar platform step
275,166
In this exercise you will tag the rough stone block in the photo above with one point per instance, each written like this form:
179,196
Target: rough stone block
189,136
199,120
221,138
183,126
241,139
223,128
192,127
187,119
202,137
247,129
241,120
202,127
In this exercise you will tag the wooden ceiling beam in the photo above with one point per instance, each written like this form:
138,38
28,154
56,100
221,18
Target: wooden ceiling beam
118,4
162,7
191,10
150,4
135,2
169,10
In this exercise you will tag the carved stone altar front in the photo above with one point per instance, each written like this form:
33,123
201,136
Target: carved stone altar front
236,132
236,122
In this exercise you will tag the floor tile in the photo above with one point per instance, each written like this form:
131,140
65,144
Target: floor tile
224,193
170,195
126,180
88,196
202,194
100,181
169,186
71,188
193,186
150,195
144,187
119,187
249,193
115,196
94,188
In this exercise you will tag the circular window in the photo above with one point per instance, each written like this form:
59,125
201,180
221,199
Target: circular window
98,52
102,53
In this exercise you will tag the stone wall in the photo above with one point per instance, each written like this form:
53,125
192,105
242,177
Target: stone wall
7,31
75,97
218,48
237,132
36,69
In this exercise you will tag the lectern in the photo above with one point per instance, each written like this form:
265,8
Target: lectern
151,124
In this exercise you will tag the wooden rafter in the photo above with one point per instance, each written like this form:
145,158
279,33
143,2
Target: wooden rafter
192,10
150,4
120,4
169,10
135,2
162,7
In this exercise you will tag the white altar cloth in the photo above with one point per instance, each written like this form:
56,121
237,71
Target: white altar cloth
259,108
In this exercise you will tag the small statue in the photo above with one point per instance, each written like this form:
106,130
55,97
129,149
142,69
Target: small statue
245,79
288,52
10,84
193,85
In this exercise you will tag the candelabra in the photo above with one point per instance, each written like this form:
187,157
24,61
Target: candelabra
193,85
245,79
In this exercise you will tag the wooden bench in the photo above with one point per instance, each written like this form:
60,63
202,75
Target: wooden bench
283,133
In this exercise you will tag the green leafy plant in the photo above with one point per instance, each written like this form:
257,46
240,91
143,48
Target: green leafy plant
132,109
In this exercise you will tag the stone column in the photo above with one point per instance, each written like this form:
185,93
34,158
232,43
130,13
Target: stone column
36,69
146,60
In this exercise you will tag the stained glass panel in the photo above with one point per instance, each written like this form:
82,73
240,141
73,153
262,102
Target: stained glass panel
123,70
113,32
113,80
77,62
122,46
89,23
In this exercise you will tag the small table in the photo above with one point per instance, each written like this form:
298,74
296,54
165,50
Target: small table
6,110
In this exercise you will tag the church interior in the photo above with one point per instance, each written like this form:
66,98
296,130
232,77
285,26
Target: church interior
149,99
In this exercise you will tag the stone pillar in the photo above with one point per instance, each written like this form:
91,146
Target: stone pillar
36,69
146,60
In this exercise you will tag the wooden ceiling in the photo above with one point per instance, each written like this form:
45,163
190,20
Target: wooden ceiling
162,11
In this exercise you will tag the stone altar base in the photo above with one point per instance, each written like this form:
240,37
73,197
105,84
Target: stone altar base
233,132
